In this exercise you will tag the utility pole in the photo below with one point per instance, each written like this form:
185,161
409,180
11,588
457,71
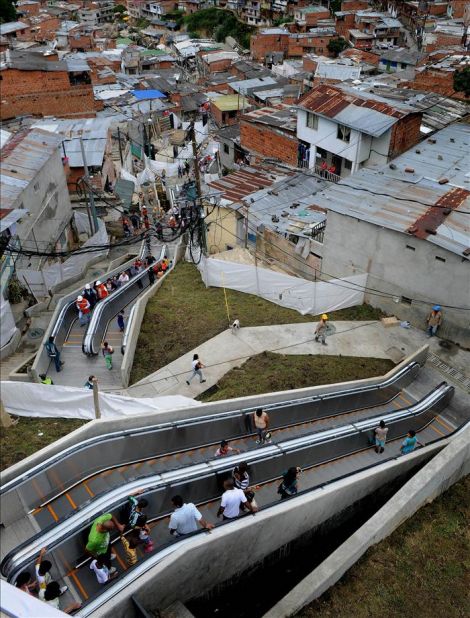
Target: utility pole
197,176
120,146
96,399
89,188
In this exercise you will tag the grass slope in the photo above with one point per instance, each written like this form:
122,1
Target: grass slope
219,24
184,313
268,372
421,570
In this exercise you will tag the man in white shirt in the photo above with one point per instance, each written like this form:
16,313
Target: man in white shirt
232,499
185,518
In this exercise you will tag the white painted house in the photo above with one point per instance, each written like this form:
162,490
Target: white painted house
342,129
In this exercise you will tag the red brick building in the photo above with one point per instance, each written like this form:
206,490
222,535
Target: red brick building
269,40
271,132
33,83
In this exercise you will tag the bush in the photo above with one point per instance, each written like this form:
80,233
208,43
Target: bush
336,46
219,24
462,81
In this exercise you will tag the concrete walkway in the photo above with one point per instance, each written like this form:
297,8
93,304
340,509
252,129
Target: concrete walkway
226,351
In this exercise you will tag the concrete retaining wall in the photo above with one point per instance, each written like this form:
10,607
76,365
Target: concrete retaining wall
139,312
203,562
100,427
451,464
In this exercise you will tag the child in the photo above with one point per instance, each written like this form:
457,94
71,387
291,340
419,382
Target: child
120,321
108,351
43,575
144,533
130,545
380,435
103,574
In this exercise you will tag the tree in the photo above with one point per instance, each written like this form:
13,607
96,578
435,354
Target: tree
462,81
7,11
119,8
336,46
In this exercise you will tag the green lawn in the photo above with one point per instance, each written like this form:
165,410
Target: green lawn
421,570
23,439
184,313
269,372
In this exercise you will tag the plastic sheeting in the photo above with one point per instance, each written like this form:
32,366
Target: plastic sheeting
43,400
15,602
7,322
74,266
292,292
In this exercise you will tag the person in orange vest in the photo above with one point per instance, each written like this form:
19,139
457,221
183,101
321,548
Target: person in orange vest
101,290
84,310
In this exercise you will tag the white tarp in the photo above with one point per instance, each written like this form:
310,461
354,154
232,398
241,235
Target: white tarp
75,266
7,322
43,400
15,602
292,292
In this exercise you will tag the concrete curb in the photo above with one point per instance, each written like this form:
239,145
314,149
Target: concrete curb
446,468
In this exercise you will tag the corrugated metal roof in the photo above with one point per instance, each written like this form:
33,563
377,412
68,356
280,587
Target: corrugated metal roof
12,26
334,70
368,113
401,201
93,131
244,85
241,183
20,160
229,102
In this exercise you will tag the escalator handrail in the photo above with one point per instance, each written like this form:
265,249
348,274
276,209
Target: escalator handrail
63,454
95,322
109,500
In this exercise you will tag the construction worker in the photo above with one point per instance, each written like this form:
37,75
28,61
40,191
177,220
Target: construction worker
84,310
101,290
433,321
321,329
45,379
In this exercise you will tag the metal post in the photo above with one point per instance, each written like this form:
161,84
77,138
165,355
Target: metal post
5,419
90,192
96,399
120,147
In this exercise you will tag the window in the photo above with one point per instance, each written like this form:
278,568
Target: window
321,152
440,259
410,248
36,186
226,149
406,300
312,121
347,164
343,133
232,113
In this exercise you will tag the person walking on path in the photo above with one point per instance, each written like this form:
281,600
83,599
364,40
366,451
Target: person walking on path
261,420
84,310
108,352
45,379
224,450
186,518
99,538
133,508
120,321
288,486
380,436
409,443
433,321
53,352
321,329
197,370
232,500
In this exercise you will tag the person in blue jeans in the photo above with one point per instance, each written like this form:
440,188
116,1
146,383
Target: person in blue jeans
409,443
53,353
